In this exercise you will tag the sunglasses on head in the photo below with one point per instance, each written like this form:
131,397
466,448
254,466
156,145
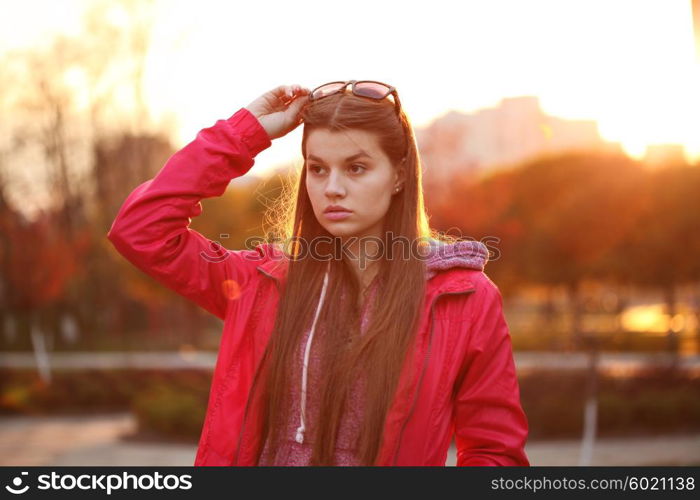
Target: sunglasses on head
362,88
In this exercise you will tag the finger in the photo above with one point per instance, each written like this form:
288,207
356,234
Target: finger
292,94
299,90
296,106
280,90
281,93
294,109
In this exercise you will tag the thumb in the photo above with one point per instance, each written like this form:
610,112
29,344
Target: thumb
294,109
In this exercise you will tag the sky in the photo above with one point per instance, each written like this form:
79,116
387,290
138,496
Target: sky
628,64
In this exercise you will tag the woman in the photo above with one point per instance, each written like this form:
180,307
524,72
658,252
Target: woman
369,340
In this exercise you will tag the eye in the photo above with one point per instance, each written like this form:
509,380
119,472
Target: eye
358,165
313,168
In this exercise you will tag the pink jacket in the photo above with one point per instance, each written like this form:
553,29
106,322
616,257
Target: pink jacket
460,379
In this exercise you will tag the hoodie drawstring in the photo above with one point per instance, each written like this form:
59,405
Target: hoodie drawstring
302,414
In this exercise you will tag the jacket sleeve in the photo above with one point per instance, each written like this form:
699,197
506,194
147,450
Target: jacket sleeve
490,425
151,229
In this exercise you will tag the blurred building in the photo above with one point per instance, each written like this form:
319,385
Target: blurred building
515,130
658,155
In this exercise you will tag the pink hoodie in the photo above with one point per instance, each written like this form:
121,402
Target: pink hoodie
296,448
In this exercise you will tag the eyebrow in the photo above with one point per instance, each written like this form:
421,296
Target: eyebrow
349,158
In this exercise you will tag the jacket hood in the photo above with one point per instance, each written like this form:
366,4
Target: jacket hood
468,254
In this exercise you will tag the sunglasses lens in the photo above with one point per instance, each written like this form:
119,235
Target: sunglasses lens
326,90
371,89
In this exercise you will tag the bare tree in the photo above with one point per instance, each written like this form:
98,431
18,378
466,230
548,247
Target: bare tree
61,105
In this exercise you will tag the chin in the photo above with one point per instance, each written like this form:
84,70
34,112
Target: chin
340,229
340,232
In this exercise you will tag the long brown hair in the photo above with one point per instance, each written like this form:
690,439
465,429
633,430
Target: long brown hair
378,354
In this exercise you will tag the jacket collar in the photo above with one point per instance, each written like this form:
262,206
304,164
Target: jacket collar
447,266
450,281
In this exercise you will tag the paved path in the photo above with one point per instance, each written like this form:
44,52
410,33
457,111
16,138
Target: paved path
99,440
83,440
174,360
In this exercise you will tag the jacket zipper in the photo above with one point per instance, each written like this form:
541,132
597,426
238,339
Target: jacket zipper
425,366
252,390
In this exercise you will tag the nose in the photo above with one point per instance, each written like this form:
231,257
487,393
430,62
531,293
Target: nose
334,185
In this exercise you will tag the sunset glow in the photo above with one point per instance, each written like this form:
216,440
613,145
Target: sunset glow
629,65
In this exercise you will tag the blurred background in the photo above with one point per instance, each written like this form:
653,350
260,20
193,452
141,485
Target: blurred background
565,135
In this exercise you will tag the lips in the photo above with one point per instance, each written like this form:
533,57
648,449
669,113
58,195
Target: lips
335,214
336,208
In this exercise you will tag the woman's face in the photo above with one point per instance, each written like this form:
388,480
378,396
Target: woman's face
348,168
